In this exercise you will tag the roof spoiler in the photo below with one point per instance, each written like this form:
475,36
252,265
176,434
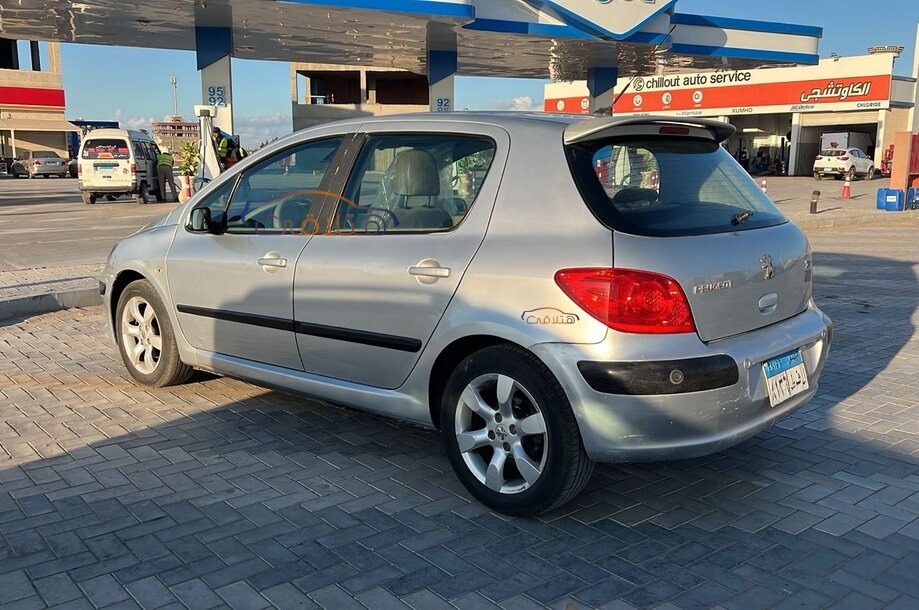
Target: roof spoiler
594,129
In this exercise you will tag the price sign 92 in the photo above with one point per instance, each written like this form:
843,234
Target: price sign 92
216,96
443,104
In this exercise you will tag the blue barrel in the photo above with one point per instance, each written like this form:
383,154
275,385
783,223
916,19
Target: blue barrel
891,200
912,198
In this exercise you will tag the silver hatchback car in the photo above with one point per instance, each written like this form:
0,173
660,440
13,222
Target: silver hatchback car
548,291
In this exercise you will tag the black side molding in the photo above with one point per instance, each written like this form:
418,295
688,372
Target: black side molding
394,342
660,376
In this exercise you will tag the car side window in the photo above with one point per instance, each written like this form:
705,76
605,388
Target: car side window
276,195
418,183
139,153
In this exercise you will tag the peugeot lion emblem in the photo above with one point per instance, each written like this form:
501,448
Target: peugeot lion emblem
768,268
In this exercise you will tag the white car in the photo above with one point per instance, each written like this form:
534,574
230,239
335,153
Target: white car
844,163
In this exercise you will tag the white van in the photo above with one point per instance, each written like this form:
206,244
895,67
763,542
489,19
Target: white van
115,162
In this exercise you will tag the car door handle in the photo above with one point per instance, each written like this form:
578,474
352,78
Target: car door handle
435,272
272,262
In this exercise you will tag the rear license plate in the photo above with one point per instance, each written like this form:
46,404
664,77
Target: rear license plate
786,377
105,169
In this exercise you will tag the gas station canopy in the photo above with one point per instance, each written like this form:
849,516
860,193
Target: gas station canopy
560,39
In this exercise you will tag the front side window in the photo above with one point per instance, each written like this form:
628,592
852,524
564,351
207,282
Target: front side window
276,196
417,183
669,187
106,148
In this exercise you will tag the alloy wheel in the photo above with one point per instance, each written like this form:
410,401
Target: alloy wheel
141,335
501,433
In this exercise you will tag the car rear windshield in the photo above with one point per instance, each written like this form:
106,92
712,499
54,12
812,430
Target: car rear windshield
834,153
45,154
660,186
106,148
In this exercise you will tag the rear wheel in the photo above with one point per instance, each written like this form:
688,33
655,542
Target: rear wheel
510,433
870,174
850,175
142,193
146,339
88,198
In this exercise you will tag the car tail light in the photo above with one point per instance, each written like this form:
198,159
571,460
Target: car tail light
36,162
843,158
629,301
133,168
819,158
79,170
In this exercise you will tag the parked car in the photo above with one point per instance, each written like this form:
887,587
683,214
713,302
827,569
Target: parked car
34,163
116,162
553,319
842,163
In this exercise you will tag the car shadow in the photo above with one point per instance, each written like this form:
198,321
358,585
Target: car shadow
220,482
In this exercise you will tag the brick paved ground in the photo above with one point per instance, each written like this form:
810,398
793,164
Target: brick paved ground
45,280
220,493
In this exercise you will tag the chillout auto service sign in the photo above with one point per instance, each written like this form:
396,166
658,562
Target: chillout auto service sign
827,87
857,83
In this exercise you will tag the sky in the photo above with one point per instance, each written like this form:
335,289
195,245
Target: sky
132,85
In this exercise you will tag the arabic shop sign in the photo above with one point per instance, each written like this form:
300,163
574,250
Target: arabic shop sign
746,92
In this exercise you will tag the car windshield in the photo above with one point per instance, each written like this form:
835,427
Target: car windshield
834,153
45,154
669,187
105,148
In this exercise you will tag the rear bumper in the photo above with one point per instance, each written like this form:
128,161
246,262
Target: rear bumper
49,171
625,427
108,188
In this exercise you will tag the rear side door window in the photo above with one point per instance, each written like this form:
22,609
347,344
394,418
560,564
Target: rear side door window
413,183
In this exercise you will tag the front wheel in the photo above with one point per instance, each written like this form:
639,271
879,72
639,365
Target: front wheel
146,339
510,433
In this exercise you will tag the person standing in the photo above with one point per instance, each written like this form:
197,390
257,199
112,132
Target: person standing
164,175
225,148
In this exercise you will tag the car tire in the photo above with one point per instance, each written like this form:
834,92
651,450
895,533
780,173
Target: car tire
142,323
520,457
111,197
88,198
818,176
142,193
850,175
870,174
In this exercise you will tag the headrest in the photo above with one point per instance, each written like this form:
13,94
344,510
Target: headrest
415,173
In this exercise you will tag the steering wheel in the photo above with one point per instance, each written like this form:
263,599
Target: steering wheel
293,206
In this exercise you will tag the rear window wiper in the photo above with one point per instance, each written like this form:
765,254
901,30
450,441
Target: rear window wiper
741,218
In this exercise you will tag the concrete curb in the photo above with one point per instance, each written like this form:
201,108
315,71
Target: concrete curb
879,218
36,304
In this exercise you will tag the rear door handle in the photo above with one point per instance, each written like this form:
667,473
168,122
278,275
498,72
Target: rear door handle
429,271
272,262
437,272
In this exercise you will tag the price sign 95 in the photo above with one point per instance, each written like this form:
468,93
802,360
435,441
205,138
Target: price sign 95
216,96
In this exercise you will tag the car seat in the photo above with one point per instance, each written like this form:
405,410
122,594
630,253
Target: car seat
416,184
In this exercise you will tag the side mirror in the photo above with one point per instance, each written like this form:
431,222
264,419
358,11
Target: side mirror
202,221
